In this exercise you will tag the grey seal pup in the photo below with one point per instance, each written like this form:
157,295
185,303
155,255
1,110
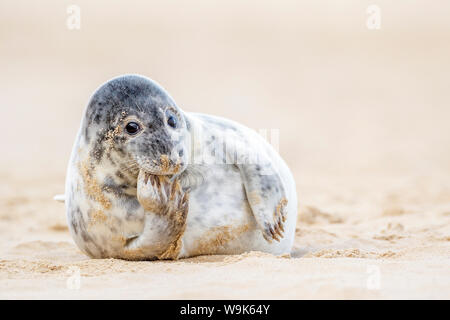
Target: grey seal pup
147,180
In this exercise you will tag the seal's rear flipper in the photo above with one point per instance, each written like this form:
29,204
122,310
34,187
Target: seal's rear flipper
60,197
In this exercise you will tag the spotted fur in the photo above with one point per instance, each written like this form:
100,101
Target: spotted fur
206,186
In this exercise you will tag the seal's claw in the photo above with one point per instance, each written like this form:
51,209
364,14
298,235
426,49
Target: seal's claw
275,230
272,232
278,231
280,224
268,239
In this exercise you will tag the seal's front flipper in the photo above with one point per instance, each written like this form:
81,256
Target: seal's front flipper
166,206
267,198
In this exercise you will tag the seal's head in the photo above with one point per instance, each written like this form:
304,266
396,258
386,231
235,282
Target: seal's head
131,128
134,123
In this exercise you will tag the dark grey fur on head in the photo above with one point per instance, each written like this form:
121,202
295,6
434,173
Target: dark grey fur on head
158,147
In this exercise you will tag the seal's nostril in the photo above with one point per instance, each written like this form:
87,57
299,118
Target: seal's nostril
181,152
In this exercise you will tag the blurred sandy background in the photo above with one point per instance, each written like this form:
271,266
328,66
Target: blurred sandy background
363,118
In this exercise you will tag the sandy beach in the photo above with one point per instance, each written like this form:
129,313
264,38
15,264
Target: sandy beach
362,117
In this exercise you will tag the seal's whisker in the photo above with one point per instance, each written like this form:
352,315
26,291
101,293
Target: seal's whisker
135,103
130,161
132,166
139,106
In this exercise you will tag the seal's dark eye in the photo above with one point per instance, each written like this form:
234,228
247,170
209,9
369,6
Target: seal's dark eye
132,128
172,121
